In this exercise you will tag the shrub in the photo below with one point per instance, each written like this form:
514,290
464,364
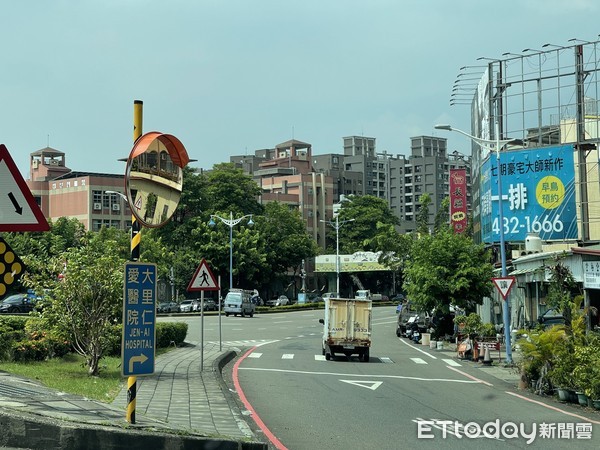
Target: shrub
29,351
487,330
12,329
537,355
14,322
114,336
170,332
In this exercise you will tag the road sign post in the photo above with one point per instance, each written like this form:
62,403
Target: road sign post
203,280
139,319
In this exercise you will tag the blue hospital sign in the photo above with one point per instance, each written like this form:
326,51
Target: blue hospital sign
139,317
538,195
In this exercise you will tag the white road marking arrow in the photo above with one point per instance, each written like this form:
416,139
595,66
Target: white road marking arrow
366,384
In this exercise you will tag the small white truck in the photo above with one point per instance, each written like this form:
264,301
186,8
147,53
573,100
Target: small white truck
347,328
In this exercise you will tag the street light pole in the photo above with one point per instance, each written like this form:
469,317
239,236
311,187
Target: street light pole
231,222
337,227
497,145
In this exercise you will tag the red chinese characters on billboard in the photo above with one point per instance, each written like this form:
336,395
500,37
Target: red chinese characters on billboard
458,200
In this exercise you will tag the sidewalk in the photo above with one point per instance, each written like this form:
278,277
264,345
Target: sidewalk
498,368
176,404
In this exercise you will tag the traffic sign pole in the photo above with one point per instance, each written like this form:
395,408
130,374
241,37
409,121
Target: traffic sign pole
204,280
136,237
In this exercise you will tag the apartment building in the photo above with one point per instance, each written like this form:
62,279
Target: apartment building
87,196
426,170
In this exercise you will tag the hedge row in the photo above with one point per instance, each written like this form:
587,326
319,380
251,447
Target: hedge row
21,339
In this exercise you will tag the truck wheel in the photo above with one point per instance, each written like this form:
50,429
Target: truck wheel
226,314
243,313
328,356
251,314
365,356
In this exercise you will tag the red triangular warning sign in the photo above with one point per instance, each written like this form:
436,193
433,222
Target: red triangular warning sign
18,209
203,279
504,284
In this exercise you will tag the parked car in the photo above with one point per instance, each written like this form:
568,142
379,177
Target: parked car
168,307
551,317
17,303
398,298
314,299
209,305
189,306
279,301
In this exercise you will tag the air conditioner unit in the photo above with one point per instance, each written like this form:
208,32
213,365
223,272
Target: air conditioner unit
116,207
97,206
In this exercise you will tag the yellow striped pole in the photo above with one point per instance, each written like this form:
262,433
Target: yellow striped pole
136,237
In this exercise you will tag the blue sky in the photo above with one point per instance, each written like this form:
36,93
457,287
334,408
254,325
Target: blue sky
230,77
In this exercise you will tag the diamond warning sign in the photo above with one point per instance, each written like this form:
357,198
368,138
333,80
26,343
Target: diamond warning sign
203,279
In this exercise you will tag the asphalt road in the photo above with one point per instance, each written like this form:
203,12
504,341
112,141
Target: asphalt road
301,401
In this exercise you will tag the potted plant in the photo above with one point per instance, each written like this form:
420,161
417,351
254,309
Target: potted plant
584,371
592,387
561,374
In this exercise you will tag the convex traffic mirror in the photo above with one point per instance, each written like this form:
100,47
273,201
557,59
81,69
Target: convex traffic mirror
154,177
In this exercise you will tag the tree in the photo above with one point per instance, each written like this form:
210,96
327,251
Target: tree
37,248
187,238
88,301
445,269
284,239
422,218
562,289
368,212
230,189
442,216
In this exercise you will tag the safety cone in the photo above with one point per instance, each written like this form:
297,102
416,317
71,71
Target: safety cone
487,359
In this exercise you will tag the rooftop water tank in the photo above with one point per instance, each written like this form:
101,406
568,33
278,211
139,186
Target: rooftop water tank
533,243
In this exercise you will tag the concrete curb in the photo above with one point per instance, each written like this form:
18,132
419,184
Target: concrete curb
23,430
26,429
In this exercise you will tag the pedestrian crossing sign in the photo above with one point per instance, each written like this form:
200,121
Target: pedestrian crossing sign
203,279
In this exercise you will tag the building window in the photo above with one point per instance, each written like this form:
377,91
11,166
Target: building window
97,196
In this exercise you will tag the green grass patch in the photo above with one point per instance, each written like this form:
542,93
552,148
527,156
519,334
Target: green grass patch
69,374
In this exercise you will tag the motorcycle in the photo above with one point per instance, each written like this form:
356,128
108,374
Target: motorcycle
415,336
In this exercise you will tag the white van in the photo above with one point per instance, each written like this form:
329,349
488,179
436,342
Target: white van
238,301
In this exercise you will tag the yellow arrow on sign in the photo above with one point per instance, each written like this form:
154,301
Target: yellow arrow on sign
139,359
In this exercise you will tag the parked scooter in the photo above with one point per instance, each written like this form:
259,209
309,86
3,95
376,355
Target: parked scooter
413,333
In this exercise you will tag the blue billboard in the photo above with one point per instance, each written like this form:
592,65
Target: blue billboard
538,195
